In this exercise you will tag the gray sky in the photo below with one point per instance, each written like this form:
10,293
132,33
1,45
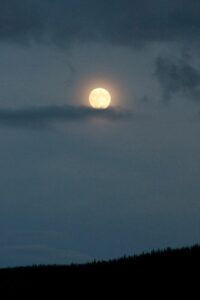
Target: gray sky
77,184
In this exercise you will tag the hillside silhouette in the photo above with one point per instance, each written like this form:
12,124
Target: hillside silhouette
144,273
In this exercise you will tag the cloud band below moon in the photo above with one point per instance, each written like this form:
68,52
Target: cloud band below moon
45,116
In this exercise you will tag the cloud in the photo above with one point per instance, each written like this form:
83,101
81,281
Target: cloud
46,116
39,254
178,77
28,247
122,22
30,236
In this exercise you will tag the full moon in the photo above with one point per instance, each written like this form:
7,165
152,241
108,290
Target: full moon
100,98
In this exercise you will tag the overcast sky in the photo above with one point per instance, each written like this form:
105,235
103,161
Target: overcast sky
77,184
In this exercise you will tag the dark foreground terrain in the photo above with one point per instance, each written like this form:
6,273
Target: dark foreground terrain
157,272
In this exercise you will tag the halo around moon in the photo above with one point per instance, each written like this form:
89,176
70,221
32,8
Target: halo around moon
100,98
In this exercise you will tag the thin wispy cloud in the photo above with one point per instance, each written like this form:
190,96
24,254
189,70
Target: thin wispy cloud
46,116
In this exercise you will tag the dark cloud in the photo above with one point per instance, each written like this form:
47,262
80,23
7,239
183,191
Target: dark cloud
123,22
43,117
178,77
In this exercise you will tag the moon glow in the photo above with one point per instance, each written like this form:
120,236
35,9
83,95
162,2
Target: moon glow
100,98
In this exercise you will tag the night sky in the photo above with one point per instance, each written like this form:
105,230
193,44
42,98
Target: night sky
77,184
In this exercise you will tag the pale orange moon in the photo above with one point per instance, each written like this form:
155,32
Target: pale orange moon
100,98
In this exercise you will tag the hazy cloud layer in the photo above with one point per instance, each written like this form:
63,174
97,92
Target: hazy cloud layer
120,22
39,254
42,117
178,77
